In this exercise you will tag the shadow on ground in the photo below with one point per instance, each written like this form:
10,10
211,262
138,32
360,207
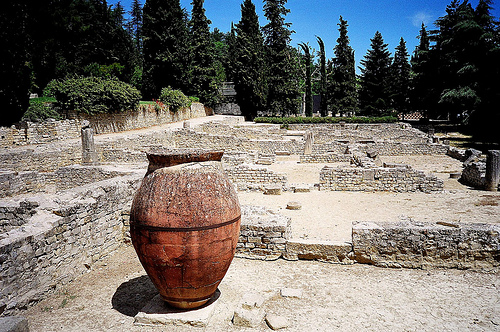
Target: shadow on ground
131,296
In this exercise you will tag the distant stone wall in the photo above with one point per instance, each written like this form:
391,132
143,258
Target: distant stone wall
384,148
427,245
61,239
325,158
253,177
26,133
399,179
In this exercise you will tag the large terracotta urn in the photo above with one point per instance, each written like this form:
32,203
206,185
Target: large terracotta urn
185,224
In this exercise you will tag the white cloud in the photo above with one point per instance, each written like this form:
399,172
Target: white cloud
421,17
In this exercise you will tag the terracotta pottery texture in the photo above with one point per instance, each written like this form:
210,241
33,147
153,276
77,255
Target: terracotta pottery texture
185,224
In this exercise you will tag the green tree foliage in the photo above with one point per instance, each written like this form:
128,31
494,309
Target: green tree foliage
166,47
204,84
248,63
323,78
14,71
342,85
424,75
281,61
94,95
308,79
135,30
175,99
400,79
375,78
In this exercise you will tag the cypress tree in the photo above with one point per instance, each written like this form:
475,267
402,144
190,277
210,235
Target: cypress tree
375,78
400,81
308,79
249,63
323,78
283,96
342,84
165,42
204,84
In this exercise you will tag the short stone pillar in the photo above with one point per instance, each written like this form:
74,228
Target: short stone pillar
492,170
309,137
89,154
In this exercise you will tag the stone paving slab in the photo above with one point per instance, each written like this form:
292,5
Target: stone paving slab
158,313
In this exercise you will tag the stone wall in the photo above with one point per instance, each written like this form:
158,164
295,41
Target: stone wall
263,234
427,245
325,158
26,133
398,179
16,183
254,177
66,235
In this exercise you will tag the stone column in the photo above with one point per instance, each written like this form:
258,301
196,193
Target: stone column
89,154
309,137
492,170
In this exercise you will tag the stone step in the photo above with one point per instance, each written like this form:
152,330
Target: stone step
327,251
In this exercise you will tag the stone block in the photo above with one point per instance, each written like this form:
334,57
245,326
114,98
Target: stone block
330,251
13,324
272,190
158,313
293,206
291,292
251,318
276,322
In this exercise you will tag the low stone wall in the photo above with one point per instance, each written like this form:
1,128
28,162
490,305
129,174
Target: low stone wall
16,183
263,234
254,177
325,158
427,245
66,235
398,179
27,133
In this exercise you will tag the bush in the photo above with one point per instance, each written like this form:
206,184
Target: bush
299,120
93,95
174,98
39,111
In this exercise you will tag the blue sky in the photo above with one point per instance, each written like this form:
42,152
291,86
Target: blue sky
311,18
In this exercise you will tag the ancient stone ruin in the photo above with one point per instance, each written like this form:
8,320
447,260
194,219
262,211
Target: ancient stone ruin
64,206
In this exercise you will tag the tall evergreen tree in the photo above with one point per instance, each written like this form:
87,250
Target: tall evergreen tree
282,72
400,79
424,79
166,40
309,104
323,78
15,82
135,26
204,82
375,78
249,63
342,83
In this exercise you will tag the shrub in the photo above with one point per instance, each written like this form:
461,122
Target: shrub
39,111
174,98
297,120
93,95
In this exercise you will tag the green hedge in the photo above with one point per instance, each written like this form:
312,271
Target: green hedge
40,109
174,98
93,95
299,120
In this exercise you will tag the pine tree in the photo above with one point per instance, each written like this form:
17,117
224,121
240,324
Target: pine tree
400,79
165,42
135,26
375,78
323,78
204,83
342,88
249,63
283,97
308,79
